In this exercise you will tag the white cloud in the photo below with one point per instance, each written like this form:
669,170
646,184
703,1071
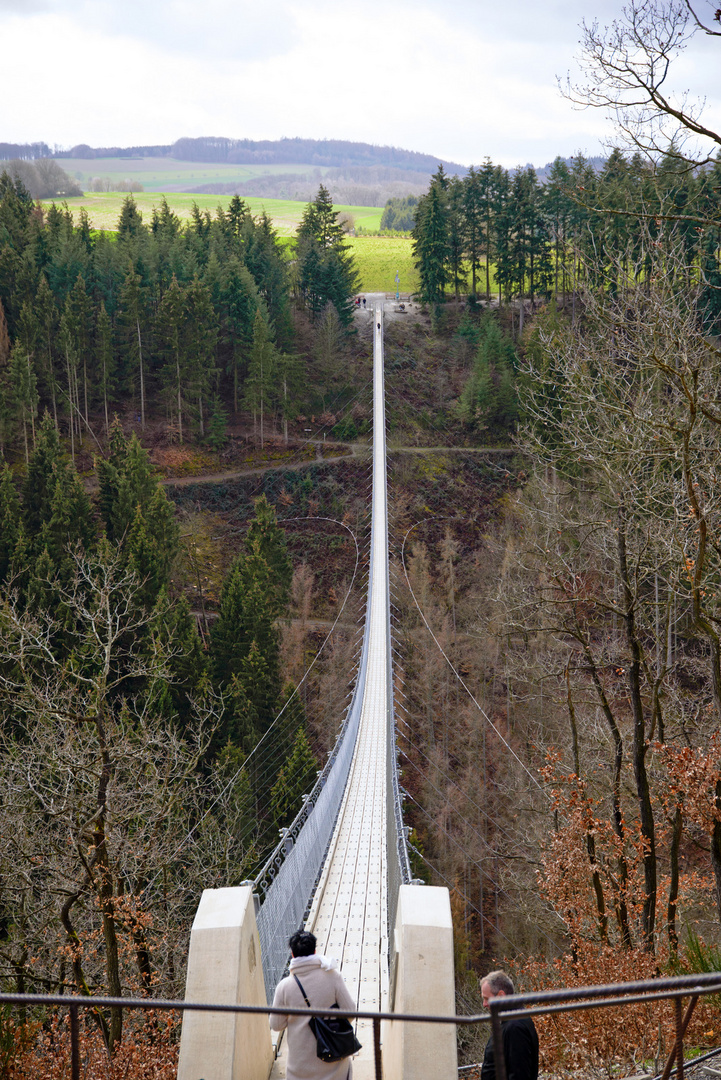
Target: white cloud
463,81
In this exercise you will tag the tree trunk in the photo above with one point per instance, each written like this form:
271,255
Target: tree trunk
671,911
180,406
70,405
105,892
590,838
618,820
142,377
640,747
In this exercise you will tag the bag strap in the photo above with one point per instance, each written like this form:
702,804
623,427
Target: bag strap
300,984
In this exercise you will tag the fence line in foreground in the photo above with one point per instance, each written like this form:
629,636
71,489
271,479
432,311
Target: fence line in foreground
542,1003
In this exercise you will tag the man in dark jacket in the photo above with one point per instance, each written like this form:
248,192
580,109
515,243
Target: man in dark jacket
520,1040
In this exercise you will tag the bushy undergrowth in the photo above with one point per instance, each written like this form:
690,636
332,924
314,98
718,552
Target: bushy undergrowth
41,1051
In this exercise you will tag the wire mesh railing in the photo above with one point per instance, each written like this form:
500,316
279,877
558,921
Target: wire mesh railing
287,881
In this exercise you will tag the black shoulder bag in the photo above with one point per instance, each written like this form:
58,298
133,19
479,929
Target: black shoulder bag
334,1035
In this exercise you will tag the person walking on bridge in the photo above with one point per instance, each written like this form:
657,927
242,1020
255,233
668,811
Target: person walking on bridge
324,988
520,1039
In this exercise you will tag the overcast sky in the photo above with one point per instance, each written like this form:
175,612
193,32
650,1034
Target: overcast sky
460,79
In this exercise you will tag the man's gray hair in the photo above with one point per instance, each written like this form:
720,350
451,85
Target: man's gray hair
498,980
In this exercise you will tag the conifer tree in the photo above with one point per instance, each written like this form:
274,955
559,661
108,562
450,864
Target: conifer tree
125,479
199,344
327,350
46,313
45,461
457,233
78,309
105,358
130,222
489,399
262,369
265,534
23,394
325,267
239,302
558,205
70,526
295,779
430,241
131,324
10,521
171,325
151,545
473,223
4,338
165,223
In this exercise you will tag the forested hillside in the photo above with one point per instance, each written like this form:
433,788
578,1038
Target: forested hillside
168,689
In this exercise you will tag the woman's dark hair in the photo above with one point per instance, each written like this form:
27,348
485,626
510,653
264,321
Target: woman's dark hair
302,943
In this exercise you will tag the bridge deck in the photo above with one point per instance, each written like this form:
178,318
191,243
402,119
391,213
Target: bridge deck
348,915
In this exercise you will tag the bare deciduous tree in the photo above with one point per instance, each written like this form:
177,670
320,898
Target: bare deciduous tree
627,73
109,829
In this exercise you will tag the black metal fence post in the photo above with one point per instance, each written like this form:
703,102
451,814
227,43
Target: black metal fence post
377,1047
497,1034
678,1008
74,1043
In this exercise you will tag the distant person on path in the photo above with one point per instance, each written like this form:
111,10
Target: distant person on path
324,987
364,301
520,1040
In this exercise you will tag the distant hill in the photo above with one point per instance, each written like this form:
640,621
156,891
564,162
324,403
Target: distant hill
332,153
355,173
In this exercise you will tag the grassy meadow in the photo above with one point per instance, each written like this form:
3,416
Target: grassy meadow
165,175
104,208
379,258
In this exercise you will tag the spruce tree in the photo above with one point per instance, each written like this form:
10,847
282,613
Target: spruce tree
325,266
171,327
473,223
457,233
260,383
132,318
430,242
239,302
45,461
23,394
199,344
268,538
46,313
295,779
105,358
10,521
130,223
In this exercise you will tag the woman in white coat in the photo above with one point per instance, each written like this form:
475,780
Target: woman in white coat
323,987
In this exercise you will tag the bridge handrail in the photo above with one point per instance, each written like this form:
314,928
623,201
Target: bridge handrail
289,878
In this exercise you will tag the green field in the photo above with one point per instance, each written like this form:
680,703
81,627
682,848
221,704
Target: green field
379,258
165,174
104,208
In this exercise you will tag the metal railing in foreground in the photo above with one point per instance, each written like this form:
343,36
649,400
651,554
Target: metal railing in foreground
542,1003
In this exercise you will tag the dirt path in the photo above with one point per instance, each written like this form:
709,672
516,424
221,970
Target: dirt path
355,450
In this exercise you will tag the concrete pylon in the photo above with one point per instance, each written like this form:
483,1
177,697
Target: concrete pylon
423,981
224,967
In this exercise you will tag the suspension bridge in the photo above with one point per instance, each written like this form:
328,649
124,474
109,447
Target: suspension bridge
342,870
